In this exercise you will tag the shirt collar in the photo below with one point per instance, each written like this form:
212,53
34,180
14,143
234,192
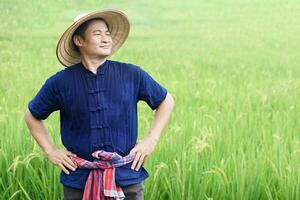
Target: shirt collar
100,69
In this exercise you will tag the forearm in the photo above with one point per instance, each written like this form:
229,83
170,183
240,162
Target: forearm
39,132
161,117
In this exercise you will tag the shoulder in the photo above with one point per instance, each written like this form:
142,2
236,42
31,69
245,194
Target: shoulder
59,78
68,71
124,66
65,72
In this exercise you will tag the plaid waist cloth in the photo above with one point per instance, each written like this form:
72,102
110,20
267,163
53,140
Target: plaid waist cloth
100,184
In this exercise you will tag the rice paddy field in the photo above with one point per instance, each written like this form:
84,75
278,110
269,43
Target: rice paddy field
232,66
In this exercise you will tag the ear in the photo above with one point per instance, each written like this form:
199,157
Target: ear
78,40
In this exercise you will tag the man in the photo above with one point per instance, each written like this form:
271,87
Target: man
97,99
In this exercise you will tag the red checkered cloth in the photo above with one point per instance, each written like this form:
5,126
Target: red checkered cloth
100,184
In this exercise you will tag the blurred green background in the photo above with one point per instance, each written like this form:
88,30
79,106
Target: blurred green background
232,67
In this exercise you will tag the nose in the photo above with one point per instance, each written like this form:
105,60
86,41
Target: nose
106,39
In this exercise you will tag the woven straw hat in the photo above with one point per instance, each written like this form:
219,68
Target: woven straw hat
118,24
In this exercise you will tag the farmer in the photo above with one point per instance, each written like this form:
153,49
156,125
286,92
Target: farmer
97,99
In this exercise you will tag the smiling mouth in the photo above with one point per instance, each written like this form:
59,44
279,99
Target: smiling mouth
104,47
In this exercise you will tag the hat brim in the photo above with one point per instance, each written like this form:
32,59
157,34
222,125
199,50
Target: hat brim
119,27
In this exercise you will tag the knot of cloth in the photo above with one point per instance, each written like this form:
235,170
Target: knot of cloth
100,184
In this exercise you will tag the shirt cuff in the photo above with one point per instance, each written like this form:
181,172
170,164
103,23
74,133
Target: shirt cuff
160,100
34,112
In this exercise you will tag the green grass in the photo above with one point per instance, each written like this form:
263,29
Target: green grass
231,66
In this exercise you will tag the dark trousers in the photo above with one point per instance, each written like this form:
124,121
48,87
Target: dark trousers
131,192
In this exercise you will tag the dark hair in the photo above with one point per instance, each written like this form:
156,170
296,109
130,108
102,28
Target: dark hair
80,31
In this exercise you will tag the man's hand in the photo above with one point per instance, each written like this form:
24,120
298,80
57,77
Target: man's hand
60,157
142,151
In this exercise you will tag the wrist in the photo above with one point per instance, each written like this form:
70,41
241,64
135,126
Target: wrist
154,138
49,151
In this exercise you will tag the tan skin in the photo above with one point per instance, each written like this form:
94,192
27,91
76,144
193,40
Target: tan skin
94,50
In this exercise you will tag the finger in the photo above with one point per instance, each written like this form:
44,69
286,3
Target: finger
68,165
133,151
63,168
69,153
141,160
67,159
136,159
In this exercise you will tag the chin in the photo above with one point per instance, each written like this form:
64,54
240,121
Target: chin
105,53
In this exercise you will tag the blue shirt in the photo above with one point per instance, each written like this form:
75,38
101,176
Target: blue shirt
98,112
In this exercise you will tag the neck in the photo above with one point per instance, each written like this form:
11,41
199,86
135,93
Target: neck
92,63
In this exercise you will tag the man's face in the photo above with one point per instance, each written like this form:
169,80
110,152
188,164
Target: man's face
98,41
